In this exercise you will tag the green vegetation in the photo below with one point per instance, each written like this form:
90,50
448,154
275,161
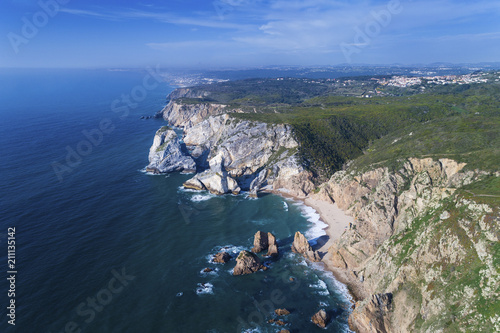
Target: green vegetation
460,122
461,309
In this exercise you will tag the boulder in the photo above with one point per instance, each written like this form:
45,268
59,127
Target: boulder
284,331
221,257
246,263
207,270
321,318
282,312
302,246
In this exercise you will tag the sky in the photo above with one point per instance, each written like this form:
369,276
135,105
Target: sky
246,33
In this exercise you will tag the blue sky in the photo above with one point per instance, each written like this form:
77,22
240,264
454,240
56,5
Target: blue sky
235,33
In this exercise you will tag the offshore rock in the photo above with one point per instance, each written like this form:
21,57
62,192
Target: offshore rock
166,154
321,318
282,312
221,257
246,263
302,246
260,242
265,241
272,249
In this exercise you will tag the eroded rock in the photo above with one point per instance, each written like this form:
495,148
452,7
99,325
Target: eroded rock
247,263
260,242
167,155
371,316
272,249
282,312
221,257
321,318
302,246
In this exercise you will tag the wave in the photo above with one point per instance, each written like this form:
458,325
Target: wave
202,197
316,230
205,288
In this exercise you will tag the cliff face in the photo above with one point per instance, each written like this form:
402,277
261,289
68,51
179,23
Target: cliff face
251,153
187,115
420,246
167,154
236,155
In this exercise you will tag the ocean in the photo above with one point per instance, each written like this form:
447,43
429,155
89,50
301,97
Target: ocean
101,246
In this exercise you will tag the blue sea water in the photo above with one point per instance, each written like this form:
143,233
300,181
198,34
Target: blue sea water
103,247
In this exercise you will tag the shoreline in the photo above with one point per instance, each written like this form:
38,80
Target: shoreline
337,222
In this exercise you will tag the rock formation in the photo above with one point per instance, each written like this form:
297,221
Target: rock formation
186,115
246,263
221,257
321,318
417,237
235,154
282,312
263,241
372,316
278,322
260,242
166,154
272,249
302,246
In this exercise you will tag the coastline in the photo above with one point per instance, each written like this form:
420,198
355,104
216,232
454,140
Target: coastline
337,222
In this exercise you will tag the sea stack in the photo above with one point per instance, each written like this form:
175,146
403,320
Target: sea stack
321,318
302,246
246,263
265,241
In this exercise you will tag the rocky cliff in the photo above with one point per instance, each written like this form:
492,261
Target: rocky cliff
423,247
231,154
426,249
167,154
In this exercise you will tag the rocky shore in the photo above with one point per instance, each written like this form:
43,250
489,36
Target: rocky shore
400,239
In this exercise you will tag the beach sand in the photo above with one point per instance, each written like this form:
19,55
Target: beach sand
337,222
332,215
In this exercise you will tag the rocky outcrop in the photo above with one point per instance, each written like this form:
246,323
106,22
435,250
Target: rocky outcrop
272,249
265,241
235,154
252,154
321,318
372,316
282,312
216,179
260,242
221,257
302,246
166,154
186,115
247,263
417,237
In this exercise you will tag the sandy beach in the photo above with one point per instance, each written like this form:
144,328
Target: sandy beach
337,222
332,215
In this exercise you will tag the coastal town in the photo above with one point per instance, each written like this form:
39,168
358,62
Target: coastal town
404,81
